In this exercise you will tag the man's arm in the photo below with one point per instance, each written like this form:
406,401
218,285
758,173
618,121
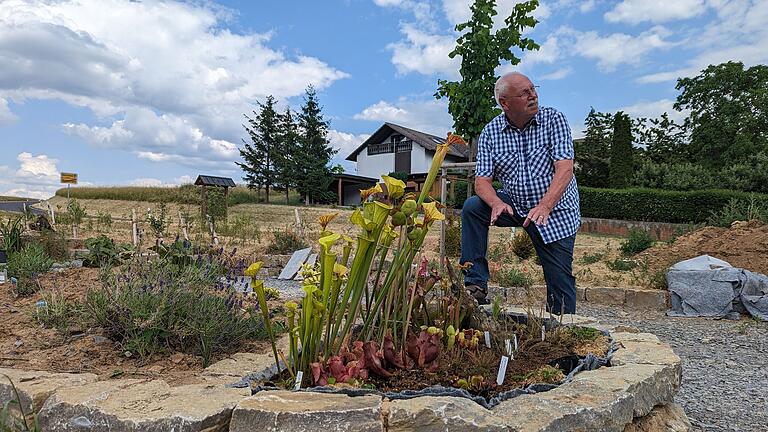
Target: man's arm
484,189
560,181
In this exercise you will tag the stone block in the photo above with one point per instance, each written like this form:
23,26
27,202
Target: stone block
646,299
257,365
642,352
275,261
136,405
287,411
35,387
440,413
605,295
664,418
624,336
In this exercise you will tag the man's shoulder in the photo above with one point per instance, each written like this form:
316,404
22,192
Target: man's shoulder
497,123
548,113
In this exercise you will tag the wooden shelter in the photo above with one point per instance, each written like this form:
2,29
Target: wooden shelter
212,181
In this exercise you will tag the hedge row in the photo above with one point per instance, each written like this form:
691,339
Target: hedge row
652,205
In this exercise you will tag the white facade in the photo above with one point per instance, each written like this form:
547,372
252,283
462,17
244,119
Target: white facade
375,166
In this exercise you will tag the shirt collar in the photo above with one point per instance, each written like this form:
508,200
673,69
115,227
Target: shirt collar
533,122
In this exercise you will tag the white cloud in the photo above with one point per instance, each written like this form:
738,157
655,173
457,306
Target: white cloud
6,116
345,143
557,75
429,116
656,11
458,11
169,75
36,176
424,53
587,6
654,109
618,48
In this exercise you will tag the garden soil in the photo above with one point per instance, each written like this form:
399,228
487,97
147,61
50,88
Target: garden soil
25,344
744,245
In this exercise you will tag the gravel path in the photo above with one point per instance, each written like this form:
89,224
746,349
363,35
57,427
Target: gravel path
725,365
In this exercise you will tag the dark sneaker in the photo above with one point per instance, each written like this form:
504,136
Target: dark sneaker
480,294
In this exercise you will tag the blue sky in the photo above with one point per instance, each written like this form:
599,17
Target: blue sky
154,92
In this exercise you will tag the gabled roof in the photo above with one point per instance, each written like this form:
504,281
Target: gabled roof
425,140
206,180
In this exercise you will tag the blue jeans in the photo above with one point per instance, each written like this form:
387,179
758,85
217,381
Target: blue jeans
556,258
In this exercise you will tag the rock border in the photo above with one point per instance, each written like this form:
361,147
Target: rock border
636,391
629,297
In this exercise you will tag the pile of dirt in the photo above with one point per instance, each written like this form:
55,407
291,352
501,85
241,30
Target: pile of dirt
744,245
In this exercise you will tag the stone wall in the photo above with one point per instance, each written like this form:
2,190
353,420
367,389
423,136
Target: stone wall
657,230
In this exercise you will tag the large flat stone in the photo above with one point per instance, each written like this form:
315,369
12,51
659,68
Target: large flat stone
664,418
35,387
439,413
287,411
258,365
646,299
606,295
591,409
644,352
135,405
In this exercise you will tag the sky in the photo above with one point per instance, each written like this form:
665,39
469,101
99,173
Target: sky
155,93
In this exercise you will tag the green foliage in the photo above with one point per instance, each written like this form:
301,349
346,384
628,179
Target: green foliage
75,212
583,333
680,176
621,265
452,235
158,220
512,277
216,206
593,151
59,313
103,252
258,155
740,209
592,258
665,140
54,244
151,306
728,113
460,193
104,221
285,242
314,154
658,205
400,175
620,170
471,101
11,231
25,265
285,158
638,241
522,246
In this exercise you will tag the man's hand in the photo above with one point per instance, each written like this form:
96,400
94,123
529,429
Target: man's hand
539,215
498,208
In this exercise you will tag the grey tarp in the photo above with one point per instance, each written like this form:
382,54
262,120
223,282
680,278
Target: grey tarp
707,286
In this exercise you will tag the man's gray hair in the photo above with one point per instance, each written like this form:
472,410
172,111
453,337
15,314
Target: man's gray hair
502,84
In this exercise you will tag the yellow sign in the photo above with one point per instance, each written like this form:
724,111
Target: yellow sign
70,178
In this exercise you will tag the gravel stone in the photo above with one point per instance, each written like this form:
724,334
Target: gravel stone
725,365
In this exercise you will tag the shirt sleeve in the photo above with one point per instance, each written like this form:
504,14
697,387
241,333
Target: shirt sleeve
484,161
562,142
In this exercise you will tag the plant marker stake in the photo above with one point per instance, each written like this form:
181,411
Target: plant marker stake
508,346
515,341
487,339
502,370
299,377
542,333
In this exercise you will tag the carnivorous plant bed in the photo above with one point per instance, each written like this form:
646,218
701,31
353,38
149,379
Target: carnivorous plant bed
375,316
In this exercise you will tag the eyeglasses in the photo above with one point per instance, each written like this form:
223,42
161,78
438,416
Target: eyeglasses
527,93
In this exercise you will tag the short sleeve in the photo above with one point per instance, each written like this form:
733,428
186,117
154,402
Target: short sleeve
484,162
562,142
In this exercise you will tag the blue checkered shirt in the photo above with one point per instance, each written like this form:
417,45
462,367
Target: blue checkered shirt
523,161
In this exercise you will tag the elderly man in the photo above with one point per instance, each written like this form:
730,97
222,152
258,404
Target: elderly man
530,151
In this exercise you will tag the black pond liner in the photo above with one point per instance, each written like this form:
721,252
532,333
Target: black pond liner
572,364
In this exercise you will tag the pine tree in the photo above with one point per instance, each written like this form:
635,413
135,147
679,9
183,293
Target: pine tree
315,152
258,155
592,152
620,173
287,150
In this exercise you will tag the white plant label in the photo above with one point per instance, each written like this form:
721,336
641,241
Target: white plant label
502,370
515,341
508,346
487,339
542,333
299,377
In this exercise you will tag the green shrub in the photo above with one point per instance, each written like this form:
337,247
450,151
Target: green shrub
58,313
54,244
621,265
638,241
152,306
522,246
103,252
744,209
512,277
11,231
285,242
658,205
26,265
158,221
592,258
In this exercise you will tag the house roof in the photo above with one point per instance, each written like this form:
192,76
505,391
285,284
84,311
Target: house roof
425,140
355,178
206,180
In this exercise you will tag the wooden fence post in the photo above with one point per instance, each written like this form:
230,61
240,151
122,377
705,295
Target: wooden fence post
183,223
134,228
